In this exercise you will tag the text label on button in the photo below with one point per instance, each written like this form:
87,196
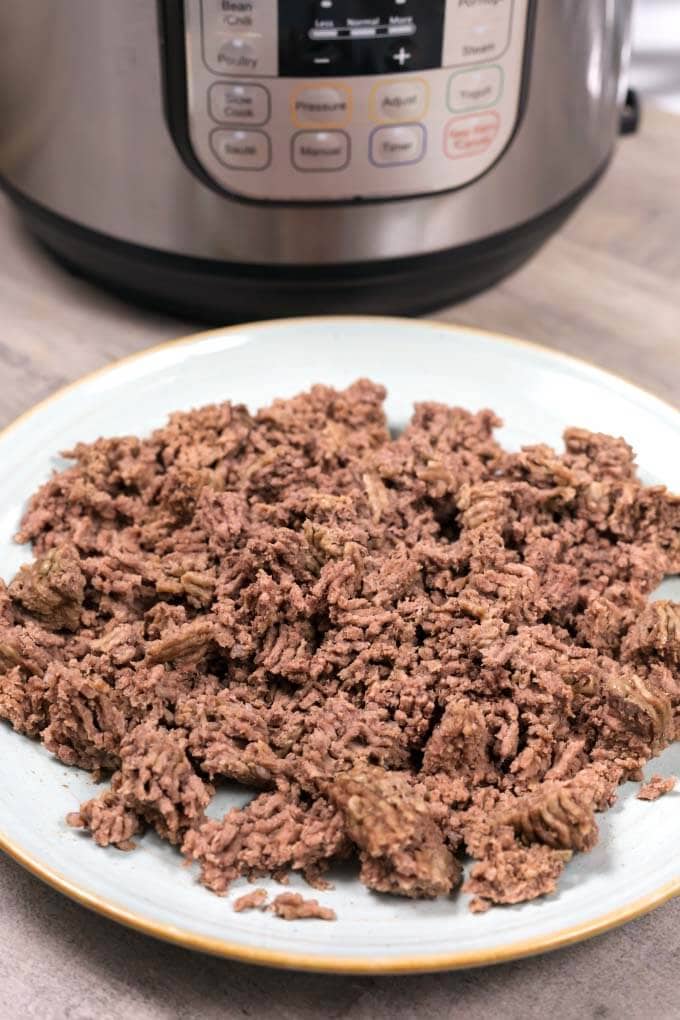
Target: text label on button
398,146
470,136
242,150
236,103
400,100
320,151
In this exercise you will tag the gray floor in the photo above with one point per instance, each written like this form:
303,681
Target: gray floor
656,53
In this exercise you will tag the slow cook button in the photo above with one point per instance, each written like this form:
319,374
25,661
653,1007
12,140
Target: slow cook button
470,136
242,150
233,103
475,90
396,146
404,100
327,105
321,150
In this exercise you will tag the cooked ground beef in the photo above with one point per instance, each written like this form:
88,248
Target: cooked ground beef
410,649
255,900
292,907
657,787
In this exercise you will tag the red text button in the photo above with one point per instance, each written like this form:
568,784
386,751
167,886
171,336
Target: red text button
471,135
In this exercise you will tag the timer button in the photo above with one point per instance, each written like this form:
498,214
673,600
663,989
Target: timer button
398,146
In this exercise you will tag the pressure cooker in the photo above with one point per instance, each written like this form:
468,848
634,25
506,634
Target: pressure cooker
230,159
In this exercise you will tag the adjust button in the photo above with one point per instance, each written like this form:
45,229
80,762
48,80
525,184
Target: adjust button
234,103
397,146
321,150
403,100
242,150
330,106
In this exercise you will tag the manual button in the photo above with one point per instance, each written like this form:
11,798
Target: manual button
242,150
321,150
234,103
330,106
401,100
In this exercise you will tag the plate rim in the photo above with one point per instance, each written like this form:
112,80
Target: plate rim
407,964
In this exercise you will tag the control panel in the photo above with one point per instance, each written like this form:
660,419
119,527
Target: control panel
331,100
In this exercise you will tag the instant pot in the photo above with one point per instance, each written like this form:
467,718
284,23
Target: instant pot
243,158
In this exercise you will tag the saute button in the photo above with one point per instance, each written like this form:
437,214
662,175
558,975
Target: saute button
233,103
404,100
396,146
470,136
242,150
474,90
328,105
321,150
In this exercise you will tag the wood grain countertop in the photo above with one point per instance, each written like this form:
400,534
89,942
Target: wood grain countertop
606,289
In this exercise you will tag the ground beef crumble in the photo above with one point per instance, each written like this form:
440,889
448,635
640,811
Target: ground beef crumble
657,787
410,649
293,907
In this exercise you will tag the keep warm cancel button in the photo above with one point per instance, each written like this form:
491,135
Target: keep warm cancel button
470,136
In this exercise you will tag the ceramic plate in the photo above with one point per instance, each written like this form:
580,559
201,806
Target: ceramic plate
635,865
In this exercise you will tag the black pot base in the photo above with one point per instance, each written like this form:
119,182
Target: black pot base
221,292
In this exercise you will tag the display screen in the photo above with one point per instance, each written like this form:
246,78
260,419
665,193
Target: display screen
358,37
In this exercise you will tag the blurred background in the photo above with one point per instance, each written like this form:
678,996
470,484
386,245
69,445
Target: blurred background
656,64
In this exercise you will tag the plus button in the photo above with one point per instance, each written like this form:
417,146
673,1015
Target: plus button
402,56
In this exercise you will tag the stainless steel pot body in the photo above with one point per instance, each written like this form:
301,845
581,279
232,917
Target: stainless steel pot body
84,133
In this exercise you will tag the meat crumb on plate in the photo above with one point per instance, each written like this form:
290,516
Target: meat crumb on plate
293,907
411,650
255,900
658,786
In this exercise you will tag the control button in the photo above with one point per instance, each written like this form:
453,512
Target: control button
239,54
404,99
470,136
241,36
477,31
237,15
328,105
320,150
475,90
396,146
233,103
401,55
242,150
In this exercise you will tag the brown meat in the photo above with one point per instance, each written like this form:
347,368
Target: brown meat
401,849
411,646
52,588
292,907
657,787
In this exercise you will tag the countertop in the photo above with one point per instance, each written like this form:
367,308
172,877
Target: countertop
606,289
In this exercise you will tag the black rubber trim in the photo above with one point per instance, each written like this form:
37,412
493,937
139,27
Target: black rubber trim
172,29
220,292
